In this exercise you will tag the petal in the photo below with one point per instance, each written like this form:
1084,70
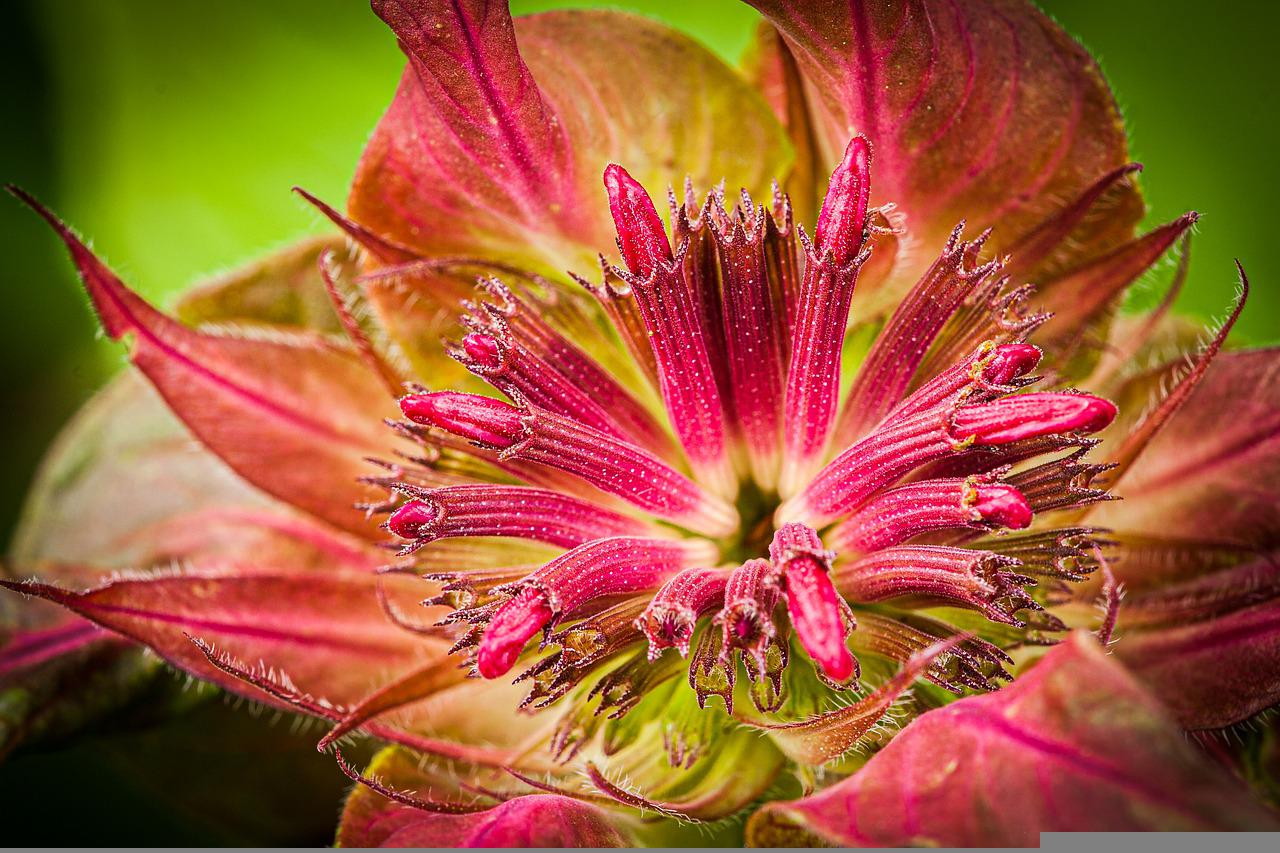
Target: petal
493,151
981,111
295,417
1210,473
1073,745
541,820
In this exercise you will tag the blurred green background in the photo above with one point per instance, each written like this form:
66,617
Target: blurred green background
171,132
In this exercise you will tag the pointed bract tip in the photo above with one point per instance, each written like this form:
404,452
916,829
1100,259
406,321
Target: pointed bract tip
408,521
510,629
469,416
842,221
641,234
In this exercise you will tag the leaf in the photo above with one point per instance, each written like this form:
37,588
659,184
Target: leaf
493,151
283,289
1212,673
977,110
126,486
294,416
1210,474
542,820
323,631
1075,745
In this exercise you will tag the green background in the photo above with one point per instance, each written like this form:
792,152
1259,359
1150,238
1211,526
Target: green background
171,132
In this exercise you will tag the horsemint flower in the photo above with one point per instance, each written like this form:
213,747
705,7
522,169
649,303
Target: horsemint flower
695,527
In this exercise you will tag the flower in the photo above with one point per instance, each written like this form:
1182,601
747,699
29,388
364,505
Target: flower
696,526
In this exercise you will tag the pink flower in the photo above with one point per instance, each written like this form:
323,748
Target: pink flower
695,520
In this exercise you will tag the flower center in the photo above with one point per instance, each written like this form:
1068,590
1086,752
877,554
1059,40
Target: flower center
780,522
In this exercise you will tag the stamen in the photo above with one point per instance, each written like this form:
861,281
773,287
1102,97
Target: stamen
526,512
833,262
988,372
751,595
615,466
606,567
510,629
822,619
901,514
642,237
892,451
670,617
979,580
491,423
841,227
674,327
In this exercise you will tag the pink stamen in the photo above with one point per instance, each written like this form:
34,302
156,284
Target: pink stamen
610,464
510,629
1032,415
901,514
675,328
842,222
821,618
831,271
482,419
1001,505
484,349
990,367
525,512
890,452
670,618
932,574
408,521
751,595
641,234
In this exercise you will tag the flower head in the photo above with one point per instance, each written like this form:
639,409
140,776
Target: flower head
791,463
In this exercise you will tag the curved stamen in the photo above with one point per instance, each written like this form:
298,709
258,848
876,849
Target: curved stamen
890,452
901,514
833,262
822,619
606,567
526,512
979,580
670,617
610,464
674,326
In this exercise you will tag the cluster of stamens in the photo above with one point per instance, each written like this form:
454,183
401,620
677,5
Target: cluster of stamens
761,509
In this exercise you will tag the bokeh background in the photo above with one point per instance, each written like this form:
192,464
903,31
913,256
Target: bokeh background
171,131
